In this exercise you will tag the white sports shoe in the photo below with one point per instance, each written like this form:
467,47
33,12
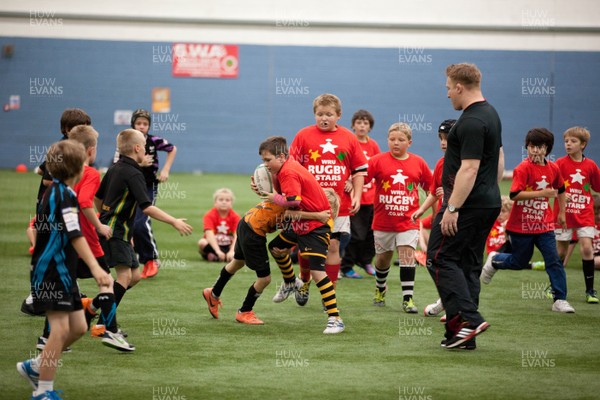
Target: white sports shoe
562,306
431,310
116,341
334,325
286,289
488,270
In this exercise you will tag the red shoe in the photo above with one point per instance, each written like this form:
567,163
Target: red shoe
248,317
150,269
98,331
87,305
213,304
421,258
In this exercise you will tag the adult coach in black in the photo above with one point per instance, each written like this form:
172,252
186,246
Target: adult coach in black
473,165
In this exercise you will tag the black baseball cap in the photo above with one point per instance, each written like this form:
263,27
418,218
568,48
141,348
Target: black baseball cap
446,125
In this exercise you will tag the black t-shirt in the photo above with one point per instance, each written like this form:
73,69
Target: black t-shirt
476,135
56,223
122,189
45,177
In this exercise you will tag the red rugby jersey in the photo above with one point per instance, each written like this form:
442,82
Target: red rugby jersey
580,178
397,190
533,216
331,157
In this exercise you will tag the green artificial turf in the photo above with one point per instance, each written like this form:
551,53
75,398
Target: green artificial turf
183,353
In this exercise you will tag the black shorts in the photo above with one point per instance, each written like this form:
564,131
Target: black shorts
50,294
119,253
83,271
252,248
313,245
209,250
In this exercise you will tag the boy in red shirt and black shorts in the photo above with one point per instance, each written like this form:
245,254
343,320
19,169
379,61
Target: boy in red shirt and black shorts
300,190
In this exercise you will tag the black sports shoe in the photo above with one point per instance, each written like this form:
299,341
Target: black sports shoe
468,345
466,332
29,310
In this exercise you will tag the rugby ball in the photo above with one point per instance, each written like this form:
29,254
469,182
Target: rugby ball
263,179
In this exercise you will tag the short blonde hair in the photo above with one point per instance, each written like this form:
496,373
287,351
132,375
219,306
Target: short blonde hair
401,127
327,99
84,134
225,191
578,132
334,201
127,139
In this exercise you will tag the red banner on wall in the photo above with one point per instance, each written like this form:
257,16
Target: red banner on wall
197,60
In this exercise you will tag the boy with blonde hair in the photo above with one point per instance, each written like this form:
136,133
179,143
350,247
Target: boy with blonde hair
581,176
332,154
122,190
397,176
220,225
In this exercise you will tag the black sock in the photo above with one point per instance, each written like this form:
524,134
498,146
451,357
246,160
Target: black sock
222,280
108,310
250,299
407,280
46,332
588,274
119,293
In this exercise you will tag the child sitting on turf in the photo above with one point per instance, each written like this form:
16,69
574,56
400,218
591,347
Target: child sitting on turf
531,222
581,176
121,191
220,224
54,266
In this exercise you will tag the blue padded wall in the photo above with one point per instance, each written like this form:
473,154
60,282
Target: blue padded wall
217,124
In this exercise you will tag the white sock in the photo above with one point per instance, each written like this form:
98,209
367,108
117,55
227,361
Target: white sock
35,363
43,387
29,299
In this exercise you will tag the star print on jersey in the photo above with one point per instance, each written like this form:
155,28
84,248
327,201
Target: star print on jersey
341,156
223,228
577,177
385,185
328,147
314,155
399,178
543,184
